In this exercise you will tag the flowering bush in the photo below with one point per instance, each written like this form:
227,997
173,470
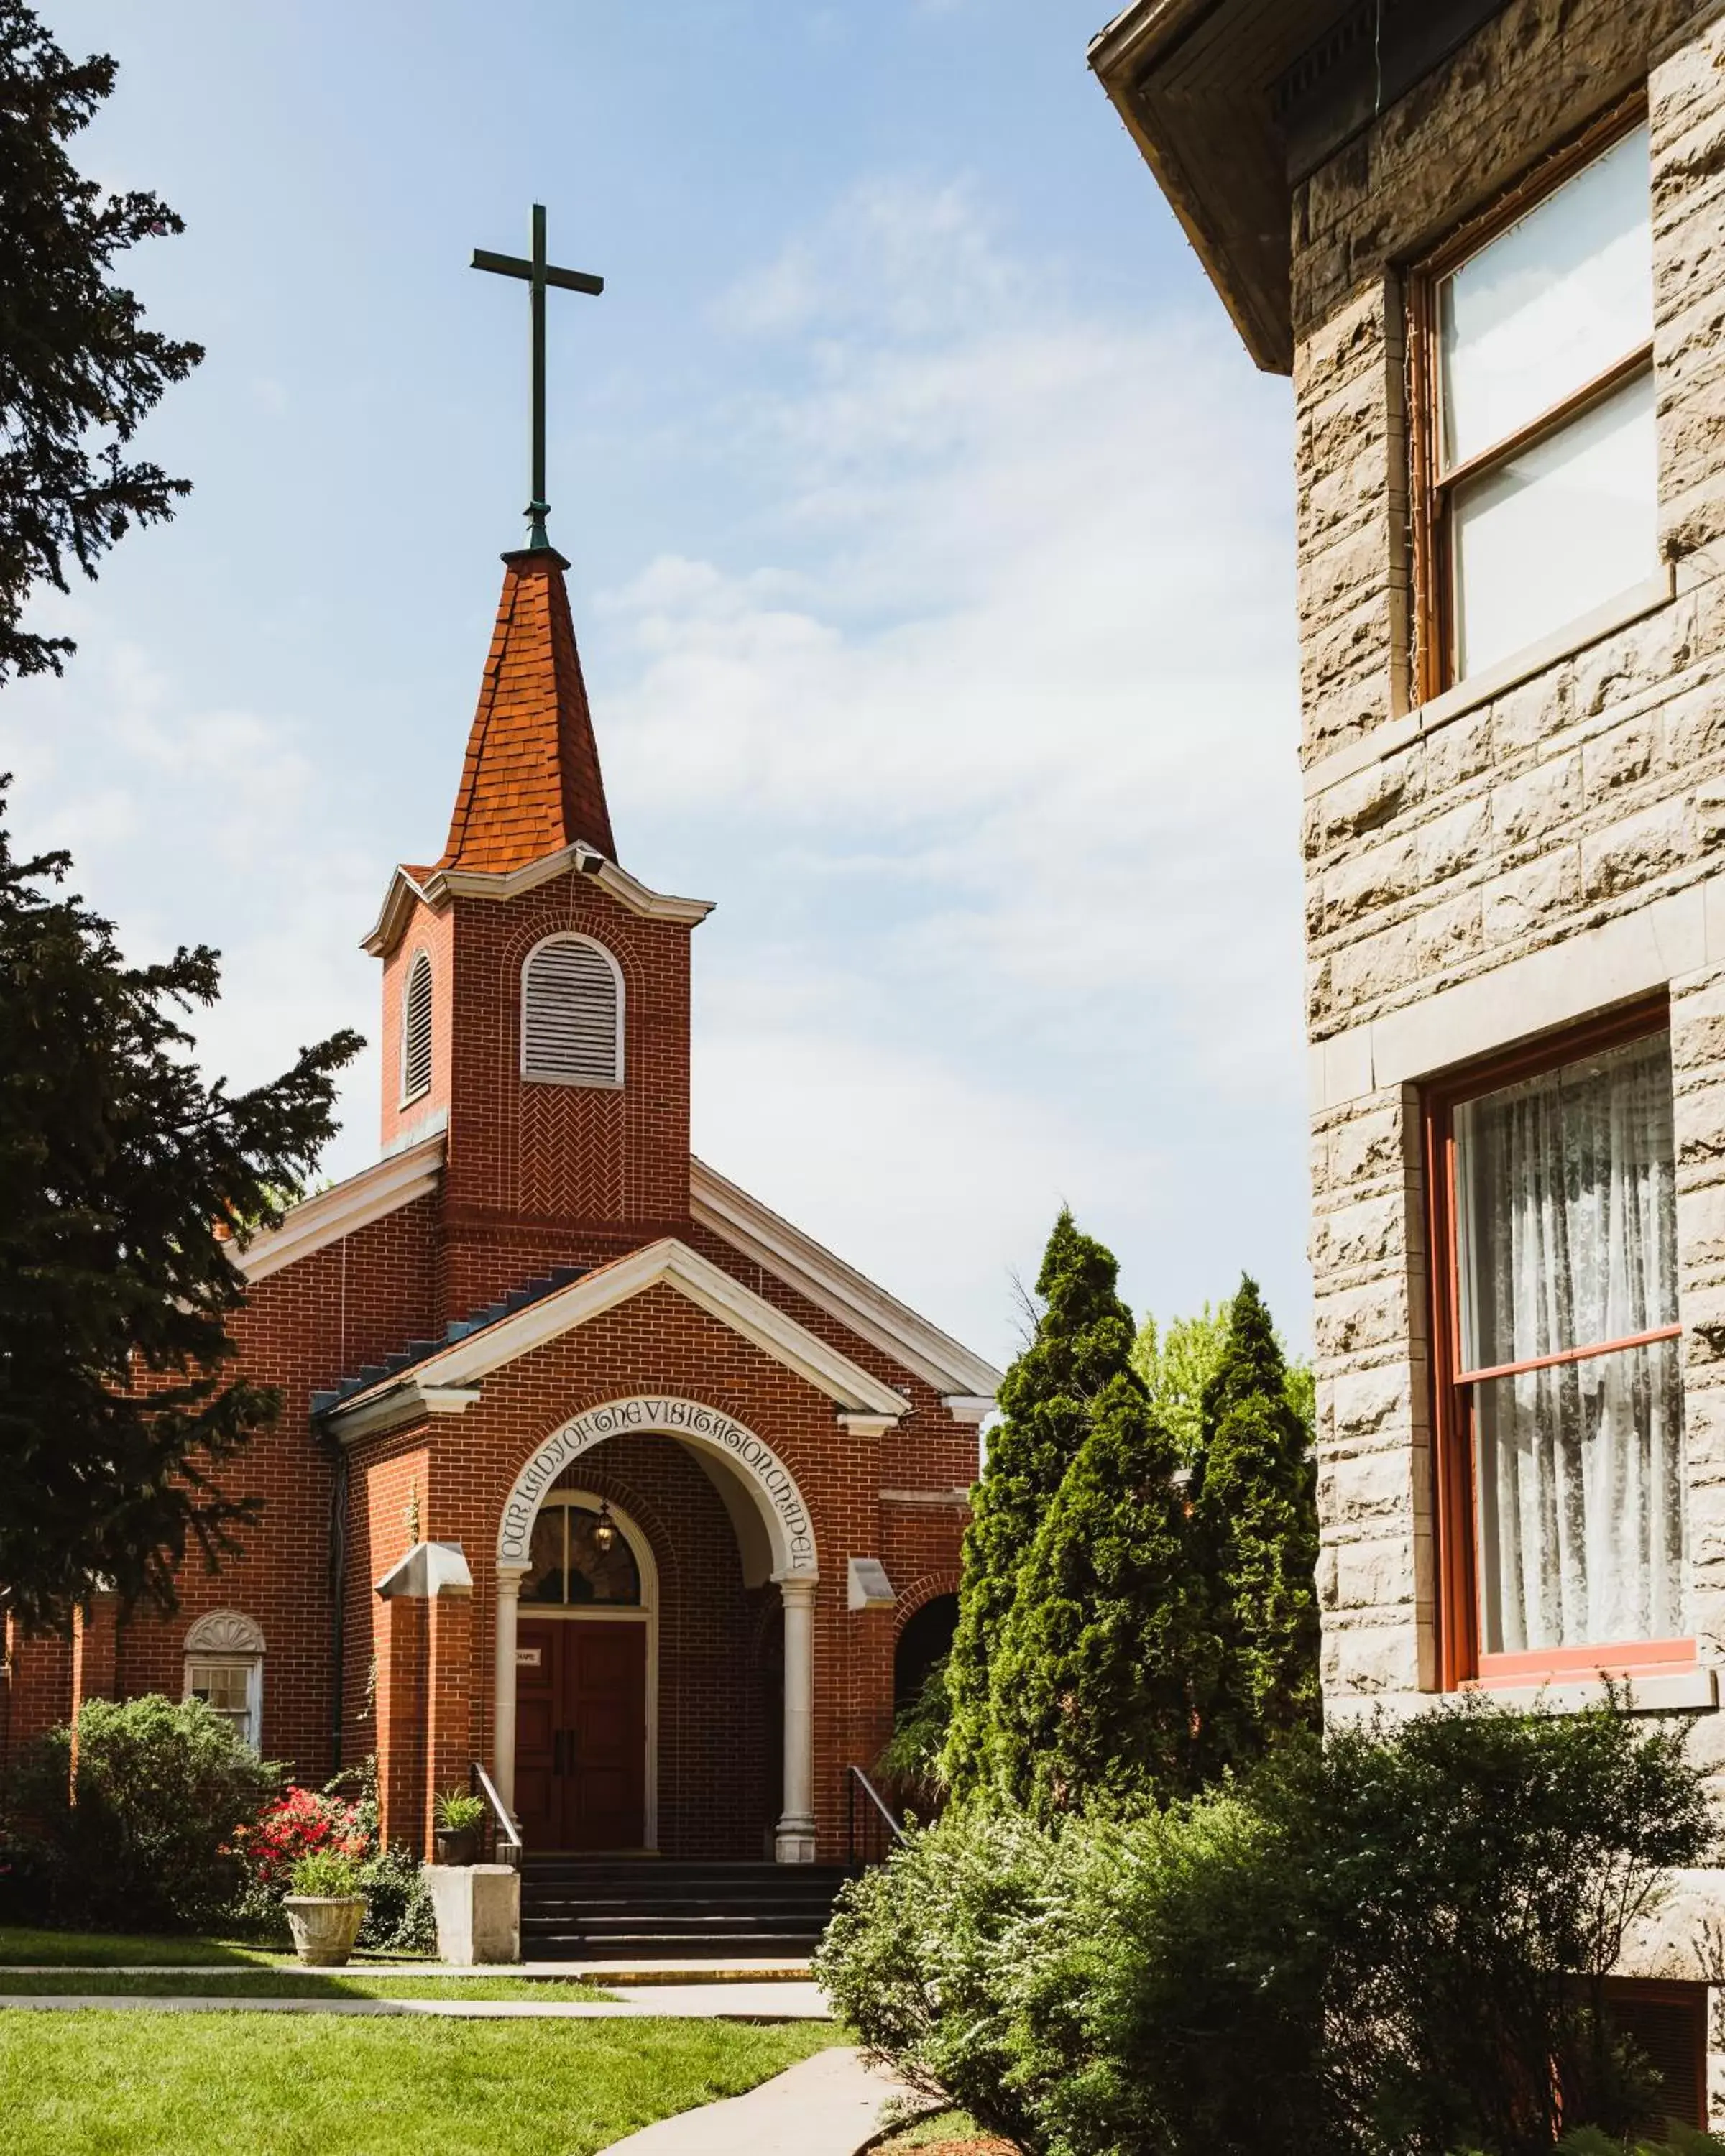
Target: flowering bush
302,1823
318,1823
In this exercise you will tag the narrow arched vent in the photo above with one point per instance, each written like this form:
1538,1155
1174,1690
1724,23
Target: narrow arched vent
572,1014
416,1030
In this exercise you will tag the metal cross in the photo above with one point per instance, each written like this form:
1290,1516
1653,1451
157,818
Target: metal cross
538,274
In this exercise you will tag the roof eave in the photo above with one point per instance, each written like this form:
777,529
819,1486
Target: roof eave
443,885
409,1172
1123,59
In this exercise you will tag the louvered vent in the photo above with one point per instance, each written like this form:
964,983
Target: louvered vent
571,998
416,1031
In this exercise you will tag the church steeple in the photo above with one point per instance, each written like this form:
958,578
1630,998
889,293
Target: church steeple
531,784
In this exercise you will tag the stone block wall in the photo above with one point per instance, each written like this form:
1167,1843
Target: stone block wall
1495,864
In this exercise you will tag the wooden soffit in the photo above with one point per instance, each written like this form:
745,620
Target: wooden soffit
1233,102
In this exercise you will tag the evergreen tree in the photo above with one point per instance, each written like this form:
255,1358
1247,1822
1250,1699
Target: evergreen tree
1103,1678
78,369
121,1172
1255,1516
1082,1340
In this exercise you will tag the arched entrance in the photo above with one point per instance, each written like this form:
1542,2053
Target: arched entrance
587,1680
769,1506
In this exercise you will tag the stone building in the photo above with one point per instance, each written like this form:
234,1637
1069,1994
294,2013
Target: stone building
1487,243
590,1470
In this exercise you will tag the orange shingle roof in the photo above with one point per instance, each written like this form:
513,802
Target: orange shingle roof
531,784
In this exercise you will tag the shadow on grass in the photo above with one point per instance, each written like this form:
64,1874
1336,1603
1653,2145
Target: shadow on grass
27,1943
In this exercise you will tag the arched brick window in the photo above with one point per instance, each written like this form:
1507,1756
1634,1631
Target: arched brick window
416,1030
572,1014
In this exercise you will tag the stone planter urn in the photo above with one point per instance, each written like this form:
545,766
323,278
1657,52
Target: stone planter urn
325,1926
457,1845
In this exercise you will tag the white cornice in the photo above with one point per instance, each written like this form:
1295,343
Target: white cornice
437,888
964,1380
387,1184
448,1382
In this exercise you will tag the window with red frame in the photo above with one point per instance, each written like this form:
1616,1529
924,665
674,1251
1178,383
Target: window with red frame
1561,1487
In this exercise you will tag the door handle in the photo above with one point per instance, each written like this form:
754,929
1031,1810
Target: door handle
557,1752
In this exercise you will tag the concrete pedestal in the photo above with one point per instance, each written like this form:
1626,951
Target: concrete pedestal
479,1911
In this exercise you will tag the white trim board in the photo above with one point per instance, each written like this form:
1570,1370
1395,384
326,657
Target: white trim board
448,1382
440,886
387,1185
966,1383
1636,954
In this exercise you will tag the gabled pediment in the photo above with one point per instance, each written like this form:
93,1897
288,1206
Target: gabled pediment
449,1381
409,887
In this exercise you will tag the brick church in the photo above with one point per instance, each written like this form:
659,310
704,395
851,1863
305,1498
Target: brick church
591,1470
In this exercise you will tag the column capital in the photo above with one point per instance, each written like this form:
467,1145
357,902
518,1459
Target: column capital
509,1580
797,1588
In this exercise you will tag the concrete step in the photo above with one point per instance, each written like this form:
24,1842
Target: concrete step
654,1946
647,1909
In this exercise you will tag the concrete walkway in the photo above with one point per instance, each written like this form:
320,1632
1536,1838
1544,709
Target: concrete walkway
830,2105
688,2002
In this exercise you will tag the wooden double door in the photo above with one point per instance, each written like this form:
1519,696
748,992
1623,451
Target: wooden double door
581,1733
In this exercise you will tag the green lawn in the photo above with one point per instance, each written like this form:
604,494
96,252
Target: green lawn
104,1949
300,1983
96,2084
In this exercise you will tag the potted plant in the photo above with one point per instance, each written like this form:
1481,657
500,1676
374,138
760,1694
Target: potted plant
325,1906
459,1817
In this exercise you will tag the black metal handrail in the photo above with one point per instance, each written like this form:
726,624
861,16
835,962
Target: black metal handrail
869,1845
505,1835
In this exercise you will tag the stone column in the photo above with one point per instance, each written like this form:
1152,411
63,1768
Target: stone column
509,1604
794,1842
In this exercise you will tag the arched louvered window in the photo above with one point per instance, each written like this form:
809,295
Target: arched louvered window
572,1014
416,1030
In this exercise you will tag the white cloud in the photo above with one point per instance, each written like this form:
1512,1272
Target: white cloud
195,825
1010,722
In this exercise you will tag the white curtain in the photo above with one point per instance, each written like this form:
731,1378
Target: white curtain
1567,1237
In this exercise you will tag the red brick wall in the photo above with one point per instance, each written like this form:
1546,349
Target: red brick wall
562,1172
38,1683
303,1326
432,932
539,1175
661,1342
383,1485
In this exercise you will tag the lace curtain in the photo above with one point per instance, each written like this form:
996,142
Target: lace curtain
1566,1238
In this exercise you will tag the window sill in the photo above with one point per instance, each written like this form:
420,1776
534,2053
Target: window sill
1629,607
1647,1692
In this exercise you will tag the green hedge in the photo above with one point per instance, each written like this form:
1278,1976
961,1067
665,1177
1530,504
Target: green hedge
1392,1947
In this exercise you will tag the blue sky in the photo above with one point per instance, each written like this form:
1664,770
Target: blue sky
932,570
